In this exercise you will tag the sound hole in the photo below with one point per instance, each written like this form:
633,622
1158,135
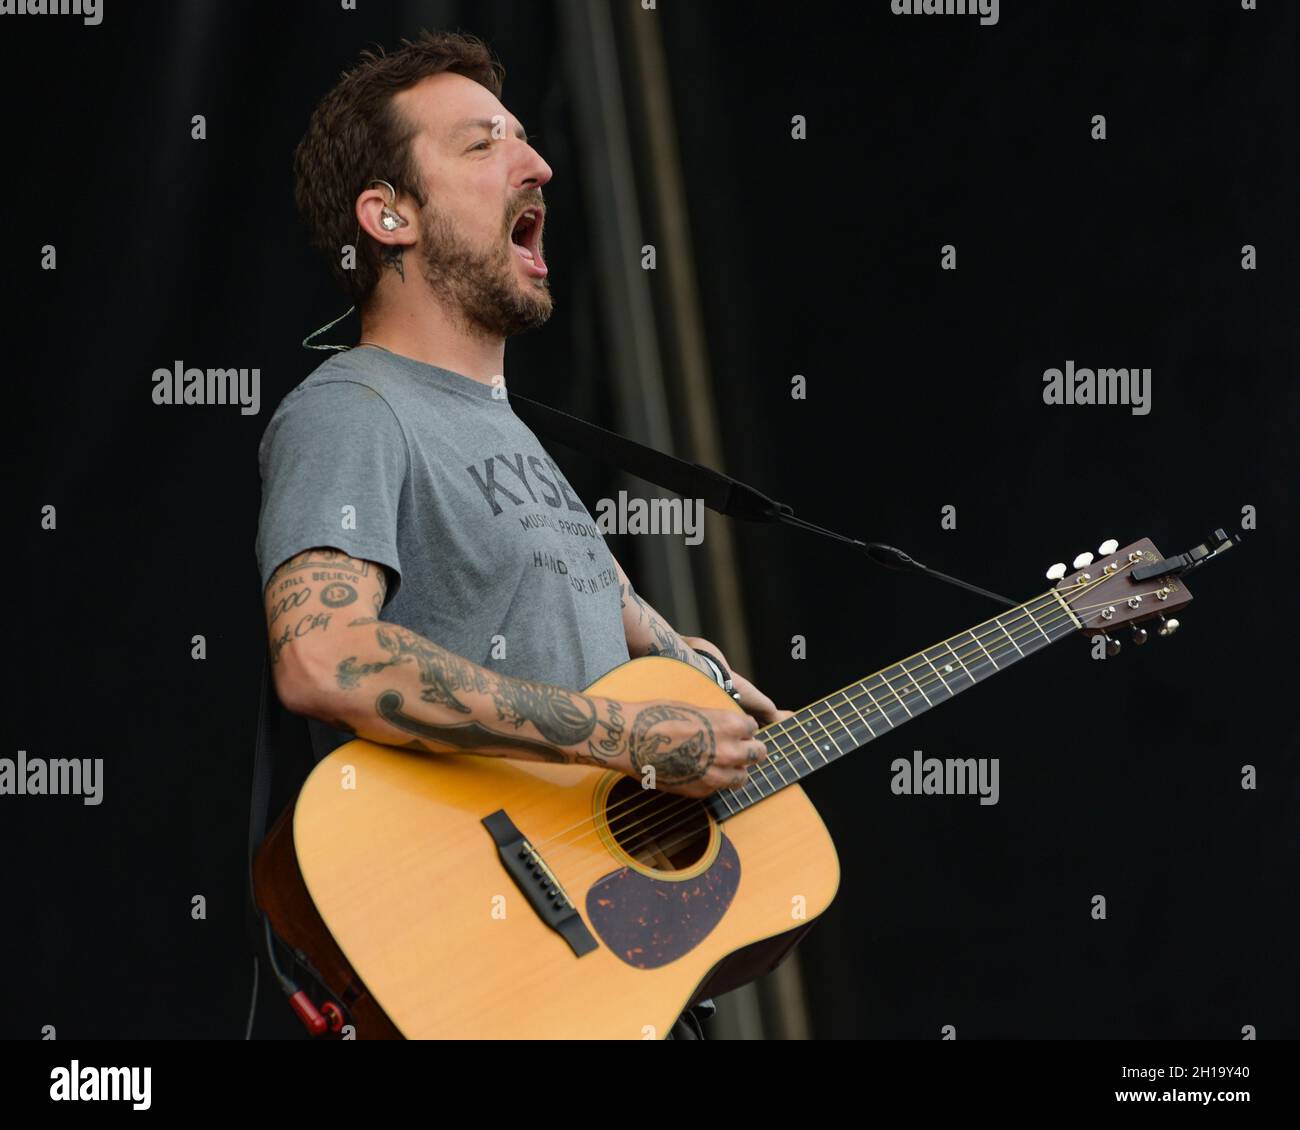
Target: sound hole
659,830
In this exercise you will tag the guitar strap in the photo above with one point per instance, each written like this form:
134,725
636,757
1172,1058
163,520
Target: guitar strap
718,492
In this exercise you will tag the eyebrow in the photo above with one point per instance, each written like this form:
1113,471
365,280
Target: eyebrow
487,124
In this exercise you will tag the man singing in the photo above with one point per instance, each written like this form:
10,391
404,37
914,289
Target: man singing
414,534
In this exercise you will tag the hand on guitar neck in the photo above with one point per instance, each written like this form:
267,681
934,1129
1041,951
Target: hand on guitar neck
334,660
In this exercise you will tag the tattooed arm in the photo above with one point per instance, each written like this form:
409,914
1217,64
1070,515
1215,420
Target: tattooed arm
648,633
333,659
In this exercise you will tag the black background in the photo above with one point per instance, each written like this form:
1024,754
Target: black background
817,257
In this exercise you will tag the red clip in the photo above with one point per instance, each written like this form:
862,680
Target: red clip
334,1015
312,1020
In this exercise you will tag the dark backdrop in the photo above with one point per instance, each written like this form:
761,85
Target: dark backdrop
817,257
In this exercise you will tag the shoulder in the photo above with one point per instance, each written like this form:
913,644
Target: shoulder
342,380
343,387
341,397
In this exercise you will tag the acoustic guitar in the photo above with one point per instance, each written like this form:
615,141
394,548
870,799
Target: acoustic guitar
453,896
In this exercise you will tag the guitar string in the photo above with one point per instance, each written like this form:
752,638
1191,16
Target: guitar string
909,685
668,811
796,745
775,728
677,809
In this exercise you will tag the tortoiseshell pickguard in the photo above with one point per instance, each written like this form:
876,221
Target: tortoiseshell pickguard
650,922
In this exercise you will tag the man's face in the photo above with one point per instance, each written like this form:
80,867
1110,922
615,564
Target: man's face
482,181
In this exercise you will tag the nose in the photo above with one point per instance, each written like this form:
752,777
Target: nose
534,172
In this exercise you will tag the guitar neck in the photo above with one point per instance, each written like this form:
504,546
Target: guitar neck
848,719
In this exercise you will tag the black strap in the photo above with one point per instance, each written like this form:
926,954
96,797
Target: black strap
719,492
691,480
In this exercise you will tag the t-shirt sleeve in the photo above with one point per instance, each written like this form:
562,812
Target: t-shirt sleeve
334,463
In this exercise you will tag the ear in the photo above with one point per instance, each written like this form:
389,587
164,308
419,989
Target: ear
370,216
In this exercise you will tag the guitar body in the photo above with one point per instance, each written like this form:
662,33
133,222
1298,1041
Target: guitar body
425,934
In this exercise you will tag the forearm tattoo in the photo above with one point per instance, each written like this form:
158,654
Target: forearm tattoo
459,737
674,763
560,716
442,674
626,593
572,725
666,641
669,643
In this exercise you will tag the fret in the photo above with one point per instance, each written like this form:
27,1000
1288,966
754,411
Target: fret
909,686
758,777
980,644
858,693
722,797
853,706
897,694
930,682
1031,633
1022,631
881,686
1058,626
798,721
773,762
1034,620
742,795
998,621
821,747
919,687
943,666
851,717
852,737
960,663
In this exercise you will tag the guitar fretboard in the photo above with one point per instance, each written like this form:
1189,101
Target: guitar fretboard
840,723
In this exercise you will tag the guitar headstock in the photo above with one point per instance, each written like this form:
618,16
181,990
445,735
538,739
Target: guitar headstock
1103,595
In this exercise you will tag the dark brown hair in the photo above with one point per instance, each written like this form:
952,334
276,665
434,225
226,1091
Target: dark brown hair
356,134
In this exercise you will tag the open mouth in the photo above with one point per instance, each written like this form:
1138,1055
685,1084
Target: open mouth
526,236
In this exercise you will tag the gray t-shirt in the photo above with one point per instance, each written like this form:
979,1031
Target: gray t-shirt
488,551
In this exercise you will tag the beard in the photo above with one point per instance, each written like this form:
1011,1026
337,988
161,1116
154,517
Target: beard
483,286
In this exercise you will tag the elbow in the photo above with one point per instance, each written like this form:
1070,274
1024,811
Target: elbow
302,682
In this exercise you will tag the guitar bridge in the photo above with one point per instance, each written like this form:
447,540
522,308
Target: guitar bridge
538,883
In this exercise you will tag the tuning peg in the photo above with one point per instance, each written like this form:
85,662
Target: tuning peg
1107,547
1056,572
1140,636
1168,627
1112,646
1083,561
